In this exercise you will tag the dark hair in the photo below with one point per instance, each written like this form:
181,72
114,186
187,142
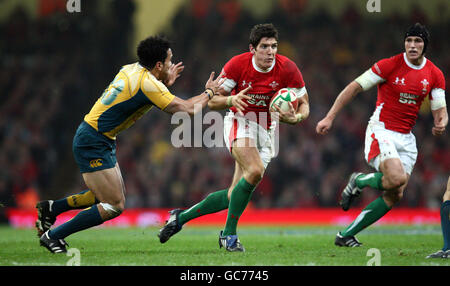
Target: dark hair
419,30
260,31
152,50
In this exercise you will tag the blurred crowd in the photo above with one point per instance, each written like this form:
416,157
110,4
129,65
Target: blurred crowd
53,68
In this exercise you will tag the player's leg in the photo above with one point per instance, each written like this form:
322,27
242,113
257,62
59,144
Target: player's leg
445,219
393,166
445,225
214,202
382,147
249,160
48,210
108,187
393,181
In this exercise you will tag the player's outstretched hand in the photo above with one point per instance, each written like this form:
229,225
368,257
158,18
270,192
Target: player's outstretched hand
324,126
214,84
238,100
174,73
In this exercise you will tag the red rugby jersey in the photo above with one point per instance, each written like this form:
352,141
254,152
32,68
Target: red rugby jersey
241,71
403,91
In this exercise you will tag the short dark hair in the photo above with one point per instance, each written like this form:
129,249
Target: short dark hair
152,50
260,31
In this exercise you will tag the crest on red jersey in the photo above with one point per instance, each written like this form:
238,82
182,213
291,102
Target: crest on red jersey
274,85
425,83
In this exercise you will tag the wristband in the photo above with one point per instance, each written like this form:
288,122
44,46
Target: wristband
299,117
209,92
229,99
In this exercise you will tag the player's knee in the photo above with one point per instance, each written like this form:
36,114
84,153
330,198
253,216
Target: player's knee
393,196
255,174
113,209
396,180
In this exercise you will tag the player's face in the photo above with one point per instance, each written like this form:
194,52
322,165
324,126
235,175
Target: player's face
265,52
414,48
166,65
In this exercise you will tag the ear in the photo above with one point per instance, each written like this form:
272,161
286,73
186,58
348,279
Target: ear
252,49
159,66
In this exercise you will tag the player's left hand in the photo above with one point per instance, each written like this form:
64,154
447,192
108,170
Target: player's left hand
286,116
438,130
174,73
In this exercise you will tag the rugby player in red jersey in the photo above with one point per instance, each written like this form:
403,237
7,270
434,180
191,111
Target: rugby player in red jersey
403,81
251,80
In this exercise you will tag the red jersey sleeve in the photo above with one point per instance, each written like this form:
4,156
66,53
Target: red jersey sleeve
438,79
384,67
232,69
294,76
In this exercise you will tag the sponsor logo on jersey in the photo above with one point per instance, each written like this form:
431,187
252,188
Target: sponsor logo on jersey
245,83
408,98
258,99
96,163
399,81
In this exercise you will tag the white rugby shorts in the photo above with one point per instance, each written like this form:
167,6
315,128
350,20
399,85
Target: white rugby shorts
382,144
235,127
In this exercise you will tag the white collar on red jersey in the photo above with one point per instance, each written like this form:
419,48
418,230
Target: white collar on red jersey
414,66
260,69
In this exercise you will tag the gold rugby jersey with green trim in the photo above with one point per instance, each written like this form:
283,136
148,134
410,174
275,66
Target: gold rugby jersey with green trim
132,93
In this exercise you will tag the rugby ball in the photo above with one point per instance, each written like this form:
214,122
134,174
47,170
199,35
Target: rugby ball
282,98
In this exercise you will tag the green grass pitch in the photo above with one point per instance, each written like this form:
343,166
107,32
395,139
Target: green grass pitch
198,246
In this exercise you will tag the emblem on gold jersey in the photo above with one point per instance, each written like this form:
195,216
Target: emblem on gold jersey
96,163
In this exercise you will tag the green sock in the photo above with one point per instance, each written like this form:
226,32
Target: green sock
213,203
239,199
373,212
372,180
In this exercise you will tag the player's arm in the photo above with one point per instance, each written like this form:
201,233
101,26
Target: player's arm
302,109
439,111
196,103
440,121
364,82
438,104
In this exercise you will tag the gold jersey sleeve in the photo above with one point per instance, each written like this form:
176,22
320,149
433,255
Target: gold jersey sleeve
156,91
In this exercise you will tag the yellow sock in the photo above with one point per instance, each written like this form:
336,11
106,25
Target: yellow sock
81,200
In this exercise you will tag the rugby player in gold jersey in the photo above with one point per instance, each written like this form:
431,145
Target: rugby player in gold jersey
136,89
